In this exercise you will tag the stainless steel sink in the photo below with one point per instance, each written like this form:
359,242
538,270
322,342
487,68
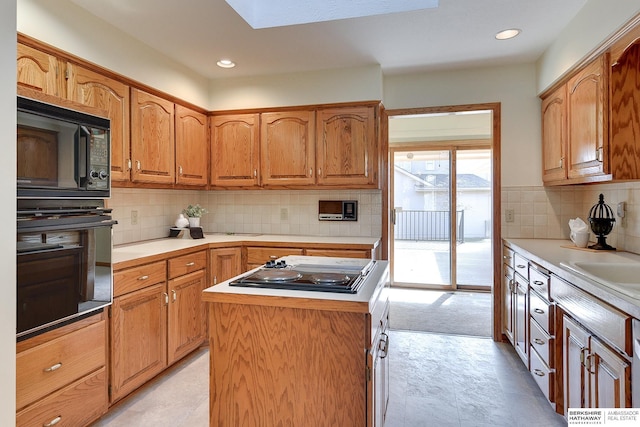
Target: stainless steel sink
623,277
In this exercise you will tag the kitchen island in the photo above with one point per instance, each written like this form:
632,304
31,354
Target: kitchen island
288,357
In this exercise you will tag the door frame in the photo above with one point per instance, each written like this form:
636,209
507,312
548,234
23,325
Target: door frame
496,235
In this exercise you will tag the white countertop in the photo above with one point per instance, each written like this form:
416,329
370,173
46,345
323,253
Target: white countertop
551,253
131,251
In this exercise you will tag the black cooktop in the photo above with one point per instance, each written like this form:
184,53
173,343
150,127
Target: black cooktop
306,277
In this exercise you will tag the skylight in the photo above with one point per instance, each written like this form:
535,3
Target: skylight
279,13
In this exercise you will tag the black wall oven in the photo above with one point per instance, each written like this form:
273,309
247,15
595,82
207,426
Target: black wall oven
63,262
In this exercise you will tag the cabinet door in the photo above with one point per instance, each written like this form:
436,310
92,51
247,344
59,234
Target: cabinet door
554,135
186,314
574,352
520,320
152,138
346,146
287,148
138,339
508,286
90,88
225,264
609,378
40,71
192,148
586,99
235,150
625,111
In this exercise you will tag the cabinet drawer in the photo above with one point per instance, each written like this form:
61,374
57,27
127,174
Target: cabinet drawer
541,342
521,265
340,253
542,312
539,282
132,279
607,322
189,263
262,255
507,256
78,404
43,369
543,375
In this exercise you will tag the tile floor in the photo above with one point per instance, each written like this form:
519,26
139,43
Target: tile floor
435,380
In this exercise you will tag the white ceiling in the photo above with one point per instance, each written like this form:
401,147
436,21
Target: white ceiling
459,33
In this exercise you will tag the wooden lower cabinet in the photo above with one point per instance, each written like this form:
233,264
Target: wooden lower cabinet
340,253
157,318
138,338
186,315
594,375
225,263
61,375
257,256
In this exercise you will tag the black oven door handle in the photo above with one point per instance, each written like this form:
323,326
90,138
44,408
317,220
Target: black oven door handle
61,225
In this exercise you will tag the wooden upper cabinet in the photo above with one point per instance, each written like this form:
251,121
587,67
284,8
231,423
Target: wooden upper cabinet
554,135
235,150
90,88
152,138
40,71
345,147
287,148
625,107
192,148
587,127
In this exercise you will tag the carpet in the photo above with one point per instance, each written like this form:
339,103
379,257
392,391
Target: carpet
455,313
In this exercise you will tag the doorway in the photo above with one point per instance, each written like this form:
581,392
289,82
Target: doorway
442,200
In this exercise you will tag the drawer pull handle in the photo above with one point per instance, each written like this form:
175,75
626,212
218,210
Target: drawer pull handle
506,257
538,310
538,372
273,256
53,422
145,277
173,295
521,266
538,282
191,264
539,341
53,368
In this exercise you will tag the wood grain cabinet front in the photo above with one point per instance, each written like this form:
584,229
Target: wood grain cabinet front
157,318
235,150
152,138
346,149
59,372
225,264
40,71
192,147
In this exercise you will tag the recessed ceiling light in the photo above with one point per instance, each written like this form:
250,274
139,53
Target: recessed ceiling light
226,63
507,34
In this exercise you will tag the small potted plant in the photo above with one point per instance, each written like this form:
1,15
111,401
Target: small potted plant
193,213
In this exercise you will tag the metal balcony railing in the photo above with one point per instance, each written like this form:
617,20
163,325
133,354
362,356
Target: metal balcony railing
427,225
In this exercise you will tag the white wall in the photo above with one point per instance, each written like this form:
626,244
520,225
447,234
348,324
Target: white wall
595,22
7,214
512,86
66,26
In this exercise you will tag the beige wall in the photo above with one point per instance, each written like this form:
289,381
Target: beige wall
7,214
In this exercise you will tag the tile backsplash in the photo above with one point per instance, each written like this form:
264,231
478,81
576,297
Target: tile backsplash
144,214
543,213
539,212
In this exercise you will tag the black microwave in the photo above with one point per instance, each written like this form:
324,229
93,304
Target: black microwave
61,153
